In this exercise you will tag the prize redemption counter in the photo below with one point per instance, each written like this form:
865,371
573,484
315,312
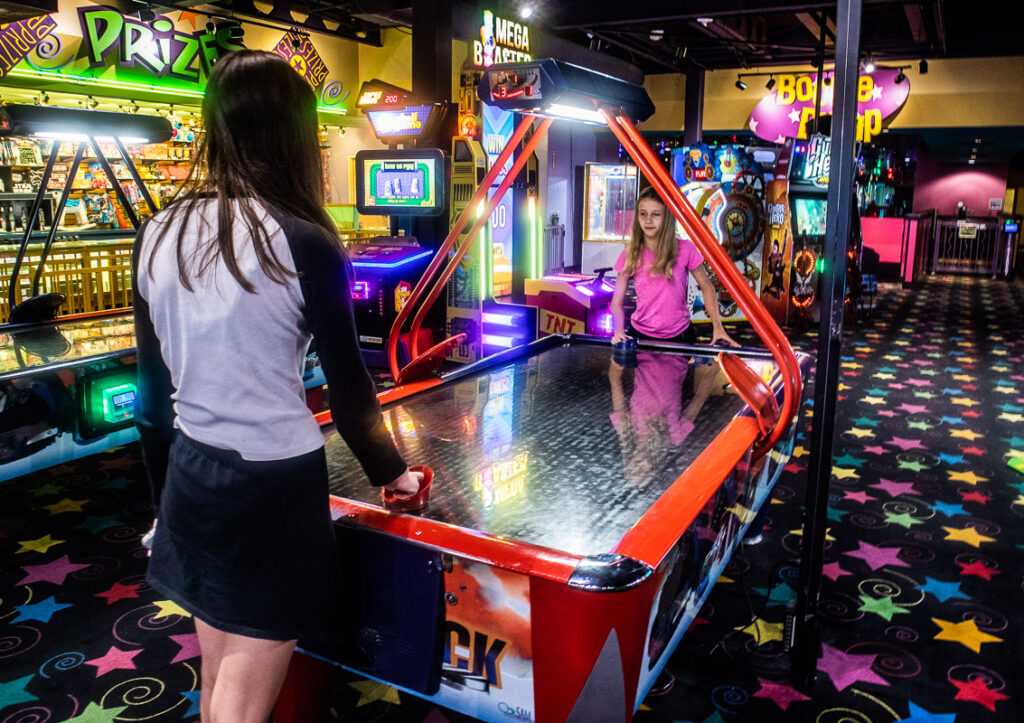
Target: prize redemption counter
583,503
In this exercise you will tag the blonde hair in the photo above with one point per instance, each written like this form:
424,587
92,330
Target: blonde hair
666,250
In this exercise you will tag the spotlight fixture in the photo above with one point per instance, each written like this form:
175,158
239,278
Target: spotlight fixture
656,35
705,21
869,65
900,77
740,84
134,107
210,27
44,99
922,67
147,15
771,83
526,11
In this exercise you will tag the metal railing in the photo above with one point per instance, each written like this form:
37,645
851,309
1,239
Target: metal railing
974,245
554,248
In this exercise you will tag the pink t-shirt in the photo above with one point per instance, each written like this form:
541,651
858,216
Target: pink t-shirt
661,307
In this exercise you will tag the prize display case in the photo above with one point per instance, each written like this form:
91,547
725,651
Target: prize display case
609,200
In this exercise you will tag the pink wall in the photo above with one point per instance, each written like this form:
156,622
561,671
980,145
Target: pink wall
884,236
941,185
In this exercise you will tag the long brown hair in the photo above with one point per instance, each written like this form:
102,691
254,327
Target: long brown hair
666,250
260,149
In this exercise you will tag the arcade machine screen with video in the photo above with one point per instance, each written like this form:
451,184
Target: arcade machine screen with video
810,217
399,184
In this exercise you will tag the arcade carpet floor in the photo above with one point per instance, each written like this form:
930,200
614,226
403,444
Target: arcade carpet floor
921,601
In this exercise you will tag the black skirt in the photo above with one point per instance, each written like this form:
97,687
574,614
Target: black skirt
247,547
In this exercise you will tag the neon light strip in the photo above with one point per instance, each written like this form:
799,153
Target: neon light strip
128,85
506,342
393,264
499,319
531,205
585,291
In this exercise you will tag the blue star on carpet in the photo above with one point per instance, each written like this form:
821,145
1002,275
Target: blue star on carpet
1011,408
942,591
14,692
847,460
920,715
41,611
952,458
865,422
952,420
835,515
119,482
1014,441
949,510
192,696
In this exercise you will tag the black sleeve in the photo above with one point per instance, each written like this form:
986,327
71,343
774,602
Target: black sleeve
325,281
154,410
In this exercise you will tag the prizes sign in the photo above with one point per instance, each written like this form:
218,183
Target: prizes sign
301,55
501,41
786,112
19,38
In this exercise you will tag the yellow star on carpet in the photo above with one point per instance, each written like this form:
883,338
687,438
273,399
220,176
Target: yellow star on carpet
965,633
963,377
169,607
969,477
857,432
1019,500
763,632
844,387
744,514
65,505
1012,417
883,375
41,544
800,531
1008,390
842,473
965,434
852,365
371,691
799,451
873,400
1016,453
777,456
999,352
892,357
970,535
965,402
967,359
901,342
725,579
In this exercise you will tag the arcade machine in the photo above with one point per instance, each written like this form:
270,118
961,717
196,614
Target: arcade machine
67,384
726,186
403,182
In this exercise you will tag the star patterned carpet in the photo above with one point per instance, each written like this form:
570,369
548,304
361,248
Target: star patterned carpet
921,603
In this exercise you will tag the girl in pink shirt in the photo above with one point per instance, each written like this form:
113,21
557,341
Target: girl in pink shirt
660,264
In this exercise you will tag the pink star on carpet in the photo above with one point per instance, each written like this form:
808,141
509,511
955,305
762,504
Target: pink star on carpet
913,408
115,659
919,382
877,557
923,362
861,496
782,694
118,591
886,413
845,669
971,413
833,571
897,386
905,444
895,489
54,572
189,646
876,449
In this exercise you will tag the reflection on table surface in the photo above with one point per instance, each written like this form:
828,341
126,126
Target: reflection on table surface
564,449
62,341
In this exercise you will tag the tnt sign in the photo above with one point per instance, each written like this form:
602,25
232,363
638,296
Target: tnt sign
552,323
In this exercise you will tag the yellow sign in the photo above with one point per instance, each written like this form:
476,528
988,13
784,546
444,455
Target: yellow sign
552,323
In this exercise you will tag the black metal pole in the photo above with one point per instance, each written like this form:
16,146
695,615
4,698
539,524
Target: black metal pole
830,337
693,110
128,210
823,19
56,216
30,222
135,175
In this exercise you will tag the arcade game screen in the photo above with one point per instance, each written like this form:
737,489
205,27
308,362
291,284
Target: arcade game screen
810,216
404,183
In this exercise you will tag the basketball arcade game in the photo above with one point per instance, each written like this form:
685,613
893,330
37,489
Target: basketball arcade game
68,383
553,584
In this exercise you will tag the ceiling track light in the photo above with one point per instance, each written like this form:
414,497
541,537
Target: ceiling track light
740,84
922,67
869,64
900,77
771,83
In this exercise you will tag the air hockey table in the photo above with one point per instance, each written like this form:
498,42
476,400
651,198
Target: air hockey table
582,508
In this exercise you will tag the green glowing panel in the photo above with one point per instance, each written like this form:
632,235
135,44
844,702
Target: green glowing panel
118,402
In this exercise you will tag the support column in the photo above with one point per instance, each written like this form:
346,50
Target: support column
693,113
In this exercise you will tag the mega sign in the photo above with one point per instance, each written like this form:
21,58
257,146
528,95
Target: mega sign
788,111
501,41
157,46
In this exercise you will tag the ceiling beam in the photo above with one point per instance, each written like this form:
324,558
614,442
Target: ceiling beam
810,22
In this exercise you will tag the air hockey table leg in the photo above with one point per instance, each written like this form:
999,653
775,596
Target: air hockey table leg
305,695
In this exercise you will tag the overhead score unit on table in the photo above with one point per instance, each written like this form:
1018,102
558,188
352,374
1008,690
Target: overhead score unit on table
538,538
68,383
402,182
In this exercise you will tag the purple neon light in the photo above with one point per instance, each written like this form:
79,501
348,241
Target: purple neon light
393,264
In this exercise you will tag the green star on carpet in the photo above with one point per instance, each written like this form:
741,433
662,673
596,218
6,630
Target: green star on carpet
876,391
96,524
928,372
865,422
923,426
883,607
912,465
837,515
94,714
1013,441
14,692
904,520
40,544
47,489
925,395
